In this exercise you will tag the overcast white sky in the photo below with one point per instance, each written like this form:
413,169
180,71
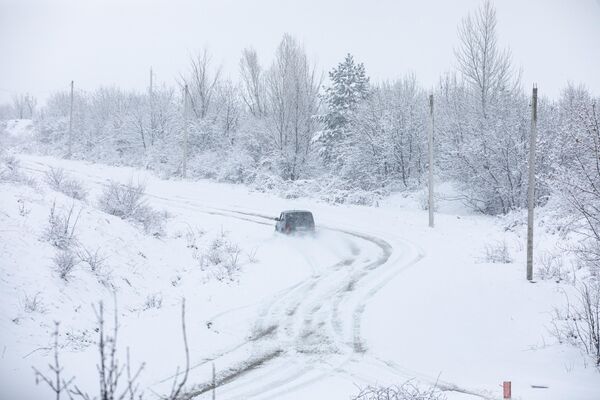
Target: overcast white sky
46,43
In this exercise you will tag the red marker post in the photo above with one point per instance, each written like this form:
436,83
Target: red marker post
506,387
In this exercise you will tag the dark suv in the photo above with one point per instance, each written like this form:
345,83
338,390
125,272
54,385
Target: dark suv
295,221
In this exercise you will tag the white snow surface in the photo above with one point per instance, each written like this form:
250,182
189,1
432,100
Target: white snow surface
375,297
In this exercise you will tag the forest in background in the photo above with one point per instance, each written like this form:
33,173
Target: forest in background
284,128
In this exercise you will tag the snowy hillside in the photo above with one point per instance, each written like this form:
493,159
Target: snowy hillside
375,297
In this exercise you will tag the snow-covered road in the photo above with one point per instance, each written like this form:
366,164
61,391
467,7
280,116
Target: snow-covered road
368,300
308,332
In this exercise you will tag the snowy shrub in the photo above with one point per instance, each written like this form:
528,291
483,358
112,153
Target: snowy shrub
406,391
23,210
205,165
498,253
105,278
127,202
579,323
94,259
64,263
221,257
354,196
265,182
176,280
294,192
78,339
10,165
333,196
252,259
360,197
551,266
236,167
151,221
122,201
33,304
55,177
10,171
153,301
192,236
60,231
59,181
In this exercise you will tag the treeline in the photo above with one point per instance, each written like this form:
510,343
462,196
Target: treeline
285,125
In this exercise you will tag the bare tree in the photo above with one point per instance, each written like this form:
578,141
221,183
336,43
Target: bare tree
292,95
117,380
19,106
55,381
578,175
487,67
202,83
24,105
227,111
253,83
579,323
110,369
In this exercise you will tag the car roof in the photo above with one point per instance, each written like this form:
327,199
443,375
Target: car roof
296,211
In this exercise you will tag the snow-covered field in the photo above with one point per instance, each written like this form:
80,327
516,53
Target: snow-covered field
375,297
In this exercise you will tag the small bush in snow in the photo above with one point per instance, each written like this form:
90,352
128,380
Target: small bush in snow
64,263
23,210
222,258
551,266
10,171
252,259
361,198
356,196
579,323
264,182
176,280
151,221
153,301
191,238
60,231
498,253
105,278
127,202
33,304
122,201
58,180
94,259
406,391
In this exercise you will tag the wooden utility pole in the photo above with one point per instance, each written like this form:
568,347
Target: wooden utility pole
430,149
185,131
531,183
70,148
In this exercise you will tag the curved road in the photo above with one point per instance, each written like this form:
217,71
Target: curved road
312,330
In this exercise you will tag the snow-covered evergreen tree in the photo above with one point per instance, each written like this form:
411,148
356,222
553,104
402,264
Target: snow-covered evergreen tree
349,86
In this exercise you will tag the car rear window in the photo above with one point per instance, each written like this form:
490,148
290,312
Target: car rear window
300,219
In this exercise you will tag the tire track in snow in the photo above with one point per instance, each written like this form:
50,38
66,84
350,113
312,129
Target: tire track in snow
298,308
357,343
